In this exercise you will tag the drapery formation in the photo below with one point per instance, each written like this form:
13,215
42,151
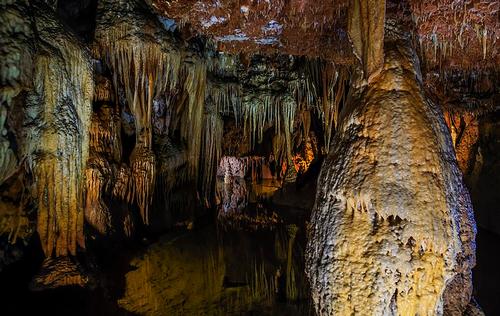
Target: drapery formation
59,121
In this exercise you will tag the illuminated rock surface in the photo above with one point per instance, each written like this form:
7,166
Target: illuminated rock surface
59,121
392,230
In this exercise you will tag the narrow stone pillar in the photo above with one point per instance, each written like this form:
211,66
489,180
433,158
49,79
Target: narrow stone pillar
392,229
366,30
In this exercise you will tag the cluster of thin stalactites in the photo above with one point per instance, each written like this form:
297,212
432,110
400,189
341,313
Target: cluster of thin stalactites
146,72
71,137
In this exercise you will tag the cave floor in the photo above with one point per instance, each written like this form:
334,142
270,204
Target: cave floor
242,263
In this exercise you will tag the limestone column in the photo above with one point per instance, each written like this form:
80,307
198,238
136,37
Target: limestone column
392,228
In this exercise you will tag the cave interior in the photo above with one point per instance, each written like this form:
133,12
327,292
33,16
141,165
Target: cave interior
250,157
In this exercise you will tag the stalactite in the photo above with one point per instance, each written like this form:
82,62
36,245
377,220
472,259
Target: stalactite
59,134
143,168
227,98
366,29
122,183
324,91
105,133
105,149
103,89
139,53
192,118
97,176
261,113
457,33
224,65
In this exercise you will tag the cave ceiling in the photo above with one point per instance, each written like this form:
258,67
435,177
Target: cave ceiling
454,34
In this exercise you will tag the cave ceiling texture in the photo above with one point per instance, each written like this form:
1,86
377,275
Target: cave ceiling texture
250,157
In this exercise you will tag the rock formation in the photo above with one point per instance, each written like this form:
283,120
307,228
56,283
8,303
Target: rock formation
124,119
392,229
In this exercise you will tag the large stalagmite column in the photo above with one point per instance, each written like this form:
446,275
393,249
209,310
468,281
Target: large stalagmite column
392,228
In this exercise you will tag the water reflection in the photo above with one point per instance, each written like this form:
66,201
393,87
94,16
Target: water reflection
246,204
221,272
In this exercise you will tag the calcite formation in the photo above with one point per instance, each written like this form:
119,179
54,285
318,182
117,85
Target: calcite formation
46,97
59,272
16,38
392,229
366,30
59,120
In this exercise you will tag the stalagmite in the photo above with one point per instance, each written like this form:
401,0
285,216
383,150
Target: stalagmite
392,229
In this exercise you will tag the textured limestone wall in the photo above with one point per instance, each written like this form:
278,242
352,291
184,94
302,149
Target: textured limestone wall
392,229
16,40
46,90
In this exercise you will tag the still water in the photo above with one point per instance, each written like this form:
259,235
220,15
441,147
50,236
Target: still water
248,259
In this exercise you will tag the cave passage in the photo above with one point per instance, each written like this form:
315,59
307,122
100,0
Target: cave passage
249,157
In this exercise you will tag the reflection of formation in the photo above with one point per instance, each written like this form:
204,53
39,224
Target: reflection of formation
243,186
240,167
234,195
236,272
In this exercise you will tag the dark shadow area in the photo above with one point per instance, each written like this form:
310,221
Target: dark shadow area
487,273
79,15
